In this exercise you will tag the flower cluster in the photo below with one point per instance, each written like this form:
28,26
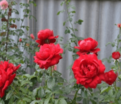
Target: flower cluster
88,69
49,53
7,74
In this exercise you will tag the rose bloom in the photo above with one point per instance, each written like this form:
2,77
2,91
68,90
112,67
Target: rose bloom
4,4
109,77
116,55
48,55
119,25
89,71
86,46
7,74
45,37
20,40
32,36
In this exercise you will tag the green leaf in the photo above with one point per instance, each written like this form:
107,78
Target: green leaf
62,3
9,94
119,76
1,101
79,38
41,92
58,13
106,89
21,102
37,102
33,3
26,11
93,101
34,92
62,101
64,23
51,83
78,98
70,19
85,101
73,11
73,39
16,11
31,16
67,31
112,44
26,99
11,100
80,21
75,56
47,100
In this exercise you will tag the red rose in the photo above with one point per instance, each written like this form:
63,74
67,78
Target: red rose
7,74
109,77
45,37
87,45
87,70
20,40
48,55
119,25
116,55
32,36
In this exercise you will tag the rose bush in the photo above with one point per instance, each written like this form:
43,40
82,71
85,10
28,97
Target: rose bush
45,84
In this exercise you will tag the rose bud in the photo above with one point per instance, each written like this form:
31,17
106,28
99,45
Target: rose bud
115,55
20,40
32,36
118,25
4,20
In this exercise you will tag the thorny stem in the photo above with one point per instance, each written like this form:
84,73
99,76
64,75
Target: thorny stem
117,39
52,70
74,99
70,22
7,35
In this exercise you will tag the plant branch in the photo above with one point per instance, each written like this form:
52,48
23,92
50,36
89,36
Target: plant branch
7,35
74,99
70,21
